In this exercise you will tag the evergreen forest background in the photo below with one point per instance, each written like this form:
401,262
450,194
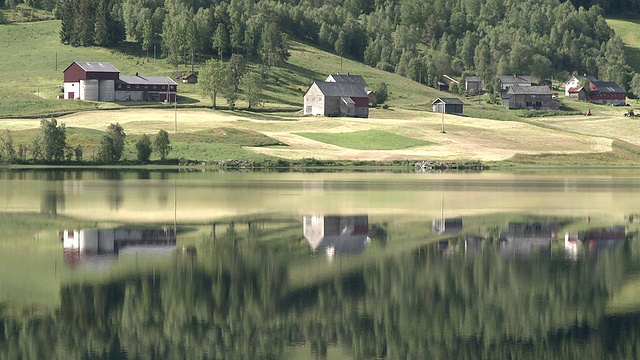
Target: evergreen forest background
421,40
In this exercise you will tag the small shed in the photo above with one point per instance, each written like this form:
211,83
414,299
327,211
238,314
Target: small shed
189,78
373,99
473,84
448,105
577,93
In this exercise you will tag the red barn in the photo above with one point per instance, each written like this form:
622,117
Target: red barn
101,81
93,81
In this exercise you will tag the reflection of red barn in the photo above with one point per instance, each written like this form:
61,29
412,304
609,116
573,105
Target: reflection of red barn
344,234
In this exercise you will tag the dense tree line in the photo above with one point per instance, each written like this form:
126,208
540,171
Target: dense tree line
421,40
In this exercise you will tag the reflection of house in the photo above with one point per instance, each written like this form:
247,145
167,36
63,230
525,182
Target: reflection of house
101,81
447,226
525,238
594,240
473,244
337,234
80,243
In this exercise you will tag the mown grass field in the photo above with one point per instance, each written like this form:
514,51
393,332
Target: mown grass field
32,75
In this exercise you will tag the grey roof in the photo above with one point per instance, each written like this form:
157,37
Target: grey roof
518,79
473,78
97,66
608,87
146,80
341,89
591,78
341,78
450,101
530,90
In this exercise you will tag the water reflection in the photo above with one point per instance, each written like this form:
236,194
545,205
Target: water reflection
337,234
534,283
100,246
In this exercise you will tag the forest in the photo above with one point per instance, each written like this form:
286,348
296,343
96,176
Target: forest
421,40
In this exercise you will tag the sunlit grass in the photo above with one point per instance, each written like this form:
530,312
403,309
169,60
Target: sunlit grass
367,140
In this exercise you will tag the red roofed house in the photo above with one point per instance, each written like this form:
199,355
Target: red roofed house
601,92
577,93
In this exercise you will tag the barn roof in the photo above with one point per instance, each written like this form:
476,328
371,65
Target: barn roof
97,66
450,101
341,78
530,90
146,80
516,79
473,78
341,89
608,87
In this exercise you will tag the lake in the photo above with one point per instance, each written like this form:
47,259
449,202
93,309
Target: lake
117,264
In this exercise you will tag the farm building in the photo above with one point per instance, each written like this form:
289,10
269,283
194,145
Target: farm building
93,81
336,99
520,80
189,78
529,97
449,105
473,84
357,79
574,82
607,92
577,93
601,92
101,81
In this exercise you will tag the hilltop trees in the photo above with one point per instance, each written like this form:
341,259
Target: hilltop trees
417,39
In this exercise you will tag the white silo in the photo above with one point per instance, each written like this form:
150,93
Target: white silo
107,90
89,90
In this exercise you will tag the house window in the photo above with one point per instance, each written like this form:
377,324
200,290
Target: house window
119,86
146,86
137,86
128,86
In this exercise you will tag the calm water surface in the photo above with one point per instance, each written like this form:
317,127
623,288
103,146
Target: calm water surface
201,265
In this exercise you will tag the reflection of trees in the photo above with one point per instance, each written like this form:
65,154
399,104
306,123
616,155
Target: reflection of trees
239,304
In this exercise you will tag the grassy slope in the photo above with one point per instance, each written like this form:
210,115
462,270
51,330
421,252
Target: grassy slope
30,67
627,29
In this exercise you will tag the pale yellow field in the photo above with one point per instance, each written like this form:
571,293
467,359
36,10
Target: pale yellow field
465,138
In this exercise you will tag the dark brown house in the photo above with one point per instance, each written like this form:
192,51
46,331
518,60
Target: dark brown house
529,97
448,106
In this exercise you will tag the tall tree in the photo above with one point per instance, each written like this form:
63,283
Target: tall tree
162,144
54,139
220,40
112,144
215,79
252,86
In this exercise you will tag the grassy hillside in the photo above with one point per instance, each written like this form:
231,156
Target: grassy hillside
629,31
34,59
